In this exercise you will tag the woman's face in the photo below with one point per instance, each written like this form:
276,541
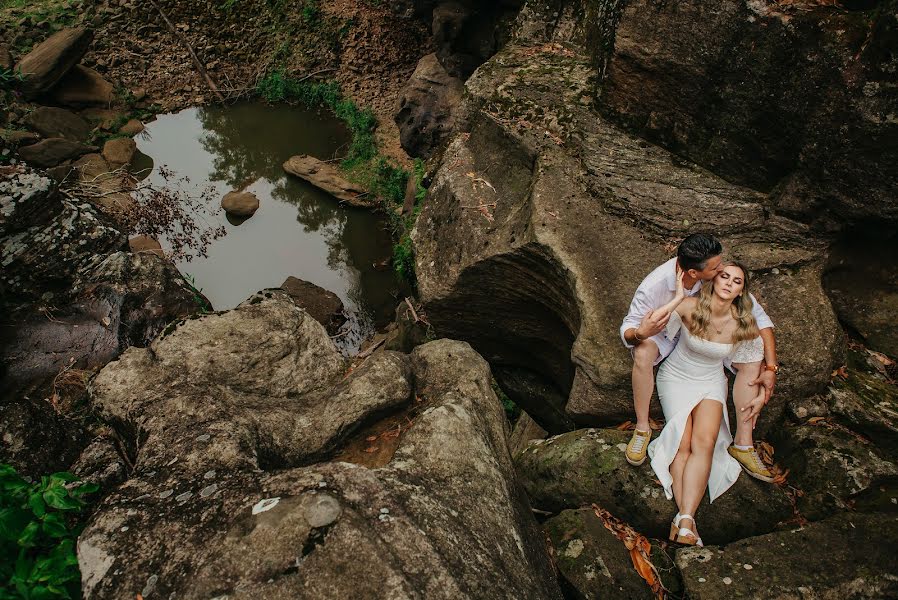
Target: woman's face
729,283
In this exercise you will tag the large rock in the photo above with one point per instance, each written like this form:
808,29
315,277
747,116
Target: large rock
862,281
426,114
323,305
868,403
843,557
26,197
230,407
238,204
118,152
52,122
50,60
595,563
543,217
328,178
767,96
588,466
53,151
82,86
830,465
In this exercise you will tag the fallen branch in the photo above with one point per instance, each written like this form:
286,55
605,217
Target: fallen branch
370,350
196,60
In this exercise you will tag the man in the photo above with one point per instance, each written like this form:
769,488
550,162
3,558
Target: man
699,255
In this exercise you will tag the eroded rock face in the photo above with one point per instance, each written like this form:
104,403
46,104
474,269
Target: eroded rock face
543,218
223,399
831,559
755,94
588,466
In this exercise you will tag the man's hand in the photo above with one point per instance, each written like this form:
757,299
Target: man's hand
652,324
767,379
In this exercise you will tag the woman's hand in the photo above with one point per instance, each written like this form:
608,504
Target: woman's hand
751,411
681,289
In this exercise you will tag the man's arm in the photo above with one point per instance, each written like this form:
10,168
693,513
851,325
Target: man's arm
640,306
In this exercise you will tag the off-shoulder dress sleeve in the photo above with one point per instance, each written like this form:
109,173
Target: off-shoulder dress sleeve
749,351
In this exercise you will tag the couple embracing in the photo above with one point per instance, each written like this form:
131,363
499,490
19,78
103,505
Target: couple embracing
696,314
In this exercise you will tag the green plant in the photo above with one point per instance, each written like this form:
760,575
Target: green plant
38,529
310,11
404,259
512,410
198,297
9,78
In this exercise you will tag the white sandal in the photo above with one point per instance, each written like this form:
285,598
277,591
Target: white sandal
684,535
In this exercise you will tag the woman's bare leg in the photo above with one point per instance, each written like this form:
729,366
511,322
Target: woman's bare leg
705,427
679,461
743,393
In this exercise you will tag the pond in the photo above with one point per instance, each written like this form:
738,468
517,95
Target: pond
298,230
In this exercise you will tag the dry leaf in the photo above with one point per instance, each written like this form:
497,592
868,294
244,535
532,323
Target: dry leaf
371,449
371,438
640,549
626,426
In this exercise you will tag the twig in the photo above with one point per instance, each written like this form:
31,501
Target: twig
370,350
412,308
196,61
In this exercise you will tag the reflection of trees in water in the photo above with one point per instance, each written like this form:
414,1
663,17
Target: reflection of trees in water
247,144
241,153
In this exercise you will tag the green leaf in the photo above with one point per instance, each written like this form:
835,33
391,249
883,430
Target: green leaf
37,505
29,534
85,488
58,497
12,522
54,526
63,476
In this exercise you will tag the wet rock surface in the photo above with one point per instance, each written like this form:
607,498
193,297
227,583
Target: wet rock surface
836,558
203,476
588,466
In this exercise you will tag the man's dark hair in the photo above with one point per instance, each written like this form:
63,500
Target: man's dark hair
697,249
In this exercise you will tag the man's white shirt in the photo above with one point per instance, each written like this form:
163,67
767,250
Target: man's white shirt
659,288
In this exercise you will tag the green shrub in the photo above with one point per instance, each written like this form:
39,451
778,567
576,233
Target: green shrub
38,529
404,259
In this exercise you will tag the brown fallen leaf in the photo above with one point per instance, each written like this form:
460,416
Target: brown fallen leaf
640,550
371,438
371,449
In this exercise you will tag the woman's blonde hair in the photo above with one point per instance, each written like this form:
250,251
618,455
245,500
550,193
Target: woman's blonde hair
747,327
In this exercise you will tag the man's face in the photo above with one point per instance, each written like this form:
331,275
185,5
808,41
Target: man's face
712,268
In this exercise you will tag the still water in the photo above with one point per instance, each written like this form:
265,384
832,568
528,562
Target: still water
298,230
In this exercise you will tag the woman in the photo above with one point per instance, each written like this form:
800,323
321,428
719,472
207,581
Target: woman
691,455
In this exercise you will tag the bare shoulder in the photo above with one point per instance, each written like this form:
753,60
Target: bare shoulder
687,306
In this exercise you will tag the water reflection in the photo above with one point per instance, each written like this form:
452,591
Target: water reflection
297,230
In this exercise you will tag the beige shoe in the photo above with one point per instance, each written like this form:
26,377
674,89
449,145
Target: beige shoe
751,463
638,446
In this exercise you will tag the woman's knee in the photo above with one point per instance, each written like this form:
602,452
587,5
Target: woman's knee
702,442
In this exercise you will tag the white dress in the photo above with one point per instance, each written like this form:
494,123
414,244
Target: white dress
692,373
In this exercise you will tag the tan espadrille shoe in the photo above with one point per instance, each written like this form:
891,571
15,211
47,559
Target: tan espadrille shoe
751,463
638,446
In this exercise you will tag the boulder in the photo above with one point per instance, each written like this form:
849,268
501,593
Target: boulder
518,247
104,118
101,463
227,497
52,122
836,558
427,105
328,178
6,61
239,204
131,128
322,305
83,86
26,197
50,60
866,402
118,152
831,464
408,332
524,431
34,438
53,151
759,92
144,243
595,563
18,137
862,281
588,466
